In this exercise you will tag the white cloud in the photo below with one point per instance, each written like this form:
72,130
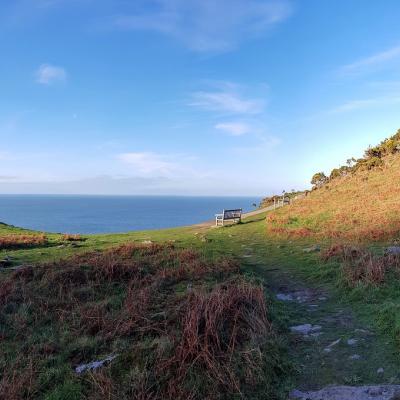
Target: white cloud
226,100
234,128
48,74
355,105
208,25
375,61
148,163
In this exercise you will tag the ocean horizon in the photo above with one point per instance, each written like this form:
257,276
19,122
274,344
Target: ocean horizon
94,214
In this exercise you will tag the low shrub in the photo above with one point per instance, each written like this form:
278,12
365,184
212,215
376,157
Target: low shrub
22,241
67,237
183,327
360,265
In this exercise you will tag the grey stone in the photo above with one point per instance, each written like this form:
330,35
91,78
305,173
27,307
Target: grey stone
352,342
312,249
355,357
305,329
284,297
93,365
378,392
393,250
328,348
380,371
362,331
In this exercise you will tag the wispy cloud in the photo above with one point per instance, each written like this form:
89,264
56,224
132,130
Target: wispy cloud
234,128
375,61
208,25
48,74
265,144
148,163
361,104
228,100
7,178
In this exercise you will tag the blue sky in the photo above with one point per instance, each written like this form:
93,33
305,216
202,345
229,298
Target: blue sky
192,97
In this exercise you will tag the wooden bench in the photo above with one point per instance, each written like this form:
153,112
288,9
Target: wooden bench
228,215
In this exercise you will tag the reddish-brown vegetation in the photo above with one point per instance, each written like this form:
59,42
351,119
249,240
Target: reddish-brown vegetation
362,206
360,265
16,241
72,238
183,327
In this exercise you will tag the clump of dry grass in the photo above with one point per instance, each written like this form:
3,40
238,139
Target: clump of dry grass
16,241
216,328
360,265
184,327
17,380
67,237
358,207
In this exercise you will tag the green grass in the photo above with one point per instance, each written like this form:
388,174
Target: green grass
376,306
91,304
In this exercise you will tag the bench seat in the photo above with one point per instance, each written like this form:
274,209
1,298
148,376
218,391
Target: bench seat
228,215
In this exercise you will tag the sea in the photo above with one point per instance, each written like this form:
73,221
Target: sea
113,214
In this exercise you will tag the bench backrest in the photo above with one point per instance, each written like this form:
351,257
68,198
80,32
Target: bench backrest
232,214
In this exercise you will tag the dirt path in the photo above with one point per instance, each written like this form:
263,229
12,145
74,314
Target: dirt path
328,343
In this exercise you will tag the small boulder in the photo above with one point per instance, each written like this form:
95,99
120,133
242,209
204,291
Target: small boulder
392,251
284,297
312,249
384,392
93,365
328,348
305,329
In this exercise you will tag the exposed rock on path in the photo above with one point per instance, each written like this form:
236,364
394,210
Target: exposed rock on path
305,329
379,392
94,365
328,343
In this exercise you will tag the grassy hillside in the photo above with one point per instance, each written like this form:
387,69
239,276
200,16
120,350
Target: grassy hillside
174,307
361,206
179,326
183,311
349,219
188,313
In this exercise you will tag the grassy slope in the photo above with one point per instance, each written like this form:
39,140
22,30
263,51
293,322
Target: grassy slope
359,207
270,252
51,345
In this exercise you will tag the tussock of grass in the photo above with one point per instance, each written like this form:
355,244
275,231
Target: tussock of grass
72,238
183,327
16,241
360,266
359,207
